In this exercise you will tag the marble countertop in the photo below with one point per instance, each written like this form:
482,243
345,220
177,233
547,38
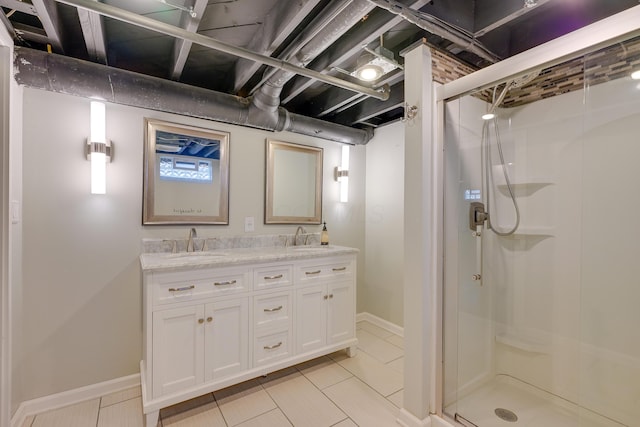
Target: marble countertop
237,256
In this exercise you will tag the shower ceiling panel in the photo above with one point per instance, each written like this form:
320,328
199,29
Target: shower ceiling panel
273,28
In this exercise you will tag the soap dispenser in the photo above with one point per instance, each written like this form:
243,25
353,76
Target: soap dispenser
324,236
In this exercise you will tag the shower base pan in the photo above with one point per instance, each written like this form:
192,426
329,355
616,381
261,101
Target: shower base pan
506,401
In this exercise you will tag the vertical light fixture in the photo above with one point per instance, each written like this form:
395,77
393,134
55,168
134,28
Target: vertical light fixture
342,175
98,149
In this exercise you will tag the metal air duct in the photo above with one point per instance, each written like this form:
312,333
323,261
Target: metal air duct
61,74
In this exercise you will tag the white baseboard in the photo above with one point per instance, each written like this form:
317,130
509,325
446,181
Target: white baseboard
380,322
407,419
70,397
436,421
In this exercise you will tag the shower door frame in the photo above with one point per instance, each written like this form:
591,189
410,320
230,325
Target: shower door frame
616,28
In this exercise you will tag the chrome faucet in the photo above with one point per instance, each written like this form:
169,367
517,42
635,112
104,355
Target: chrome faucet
190,244
299,230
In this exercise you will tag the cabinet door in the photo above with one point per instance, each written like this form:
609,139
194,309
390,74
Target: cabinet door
178,337
226,338
340,318
311,318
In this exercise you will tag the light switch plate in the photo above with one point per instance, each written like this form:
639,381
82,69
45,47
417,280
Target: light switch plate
249,224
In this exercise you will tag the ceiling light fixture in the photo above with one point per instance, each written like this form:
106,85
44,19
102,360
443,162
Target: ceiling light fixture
635,75
373,64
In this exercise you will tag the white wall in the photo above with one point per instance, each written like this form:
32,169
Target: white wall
82,295
382,292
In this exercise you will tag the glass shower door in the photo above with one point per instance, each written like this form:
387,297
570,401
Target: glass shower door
468,315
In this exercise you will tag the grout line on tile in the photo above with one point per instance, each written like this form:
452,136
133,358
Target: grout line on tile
391,361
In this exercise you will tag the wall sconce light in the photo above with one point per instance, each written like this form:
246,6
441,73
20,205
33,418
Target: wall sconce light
342,175
97,149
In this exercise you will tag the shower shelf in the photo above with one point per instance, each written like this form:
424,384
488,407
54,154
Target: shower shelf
521,343
526,187
524,232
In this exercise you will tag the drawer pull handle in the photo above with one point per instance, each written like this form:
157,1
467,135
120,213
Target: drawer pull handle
340,269
312,272
279,276
269,310
271,347
230,282
185,288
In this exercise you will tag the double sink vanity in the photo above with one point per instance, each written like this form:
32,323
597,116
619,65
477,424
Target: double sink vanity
218,317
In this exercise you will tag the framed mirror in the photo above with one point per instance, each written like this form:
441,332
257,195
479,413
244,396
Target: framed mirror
186,174
293,193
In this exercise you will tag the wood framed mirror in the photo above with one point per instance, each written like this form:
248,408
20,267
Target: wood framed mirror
186,174
293,191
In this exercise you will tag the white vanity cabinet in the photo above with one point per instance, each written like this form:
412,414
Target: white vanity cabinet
199,343
209,324
324,303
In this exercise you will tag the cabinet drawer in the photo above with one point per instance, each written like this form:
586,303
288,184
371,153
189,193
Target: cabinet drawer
271,347
272,310
167,291
272,277
314,273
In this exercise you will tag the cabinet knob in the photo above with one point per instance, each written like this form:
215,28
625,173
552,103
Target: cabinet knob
200,321
330,295
326,296
209,319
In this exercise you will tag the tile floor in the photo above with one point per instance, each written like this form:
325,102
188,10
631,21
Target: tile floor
334,390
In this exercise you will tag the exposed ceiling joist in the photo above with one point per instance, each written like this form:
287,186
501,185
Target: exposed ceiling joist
277,26
491,15
370,107
378,23
93,32
48,13
182,47
19,6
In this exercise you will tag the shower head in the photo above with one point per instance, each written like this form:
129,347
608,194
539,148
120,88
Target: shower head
516,82
525,79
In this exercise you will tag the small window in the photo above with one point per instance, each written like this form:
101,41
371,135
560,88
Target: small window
188,169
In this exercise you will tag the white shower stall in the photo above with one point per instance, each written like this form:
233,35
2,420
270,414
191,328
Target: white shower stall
542,327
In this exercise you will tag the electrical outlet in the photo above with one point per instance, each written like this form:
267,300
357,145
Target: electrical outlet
248,224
